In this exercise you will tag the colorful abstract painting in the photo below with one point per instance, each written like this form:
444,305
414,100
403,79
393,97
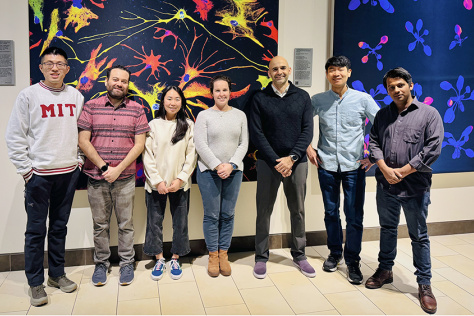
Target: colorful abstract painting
434,42
179,42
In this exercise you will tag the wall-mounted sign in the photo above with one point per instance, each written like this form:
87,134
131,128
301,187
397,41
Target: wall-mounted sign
7,65
303,65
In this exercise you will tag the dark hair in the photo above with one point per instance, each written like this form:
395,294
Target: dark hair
338,61
53,51
109,70
181,124
217,78
398,72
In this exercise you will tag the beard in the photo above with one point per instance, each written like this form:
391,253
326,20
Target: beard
114,94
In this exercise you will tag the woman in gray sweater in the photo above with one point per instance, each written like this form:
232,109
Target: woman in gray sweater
221,140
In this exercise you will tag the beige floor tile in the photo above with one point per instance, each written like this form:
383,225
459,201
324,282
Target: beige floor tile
460,263
240,309
59,304
466,237
299,292
280,261
458,294
266,301
15,313
142,287
329,312
97,300
435,263
448,240
391,301
242,274
352,303
149,306
219,291
14,293
466,250
438,250
332,282
3,276
172,299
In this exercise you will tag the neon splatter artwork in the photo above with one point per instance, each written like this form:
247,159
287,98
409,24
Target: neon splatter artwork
457,38
240,18
162,42
418,38
79,17
467,4
373,51
455,102
384,4
457,144
91,73
203,7
37,7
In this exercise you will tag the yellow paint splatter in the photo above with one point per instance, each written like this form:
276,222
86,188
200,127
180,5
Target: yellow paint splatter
79,17
37,7
264,81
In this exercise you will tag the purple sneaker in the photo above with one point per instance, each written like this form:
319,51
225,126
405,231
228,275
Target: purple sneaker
305,268
260,270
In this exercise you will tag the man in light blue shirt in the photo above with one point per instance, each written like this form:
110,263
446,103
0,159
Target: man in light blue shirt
340,159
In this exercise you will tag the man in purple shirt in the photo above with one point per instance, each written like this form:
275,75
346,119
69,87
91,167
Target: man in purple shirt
405,140
112,136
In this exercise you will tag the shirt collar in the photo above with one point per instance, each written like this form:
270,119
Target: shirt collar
415,104
336,95
281,94
108,103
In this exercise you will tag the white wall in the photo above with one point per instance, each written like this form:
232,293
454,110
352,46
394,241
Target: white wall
302,24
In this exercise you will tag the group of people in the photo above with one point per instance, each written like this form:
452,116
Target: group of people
50,121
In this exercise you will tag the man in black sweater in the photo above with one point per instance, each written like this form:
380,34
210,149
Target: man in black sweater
281,128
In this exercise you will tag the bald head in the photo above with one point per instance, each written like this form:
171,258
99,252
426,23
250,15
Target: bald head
279,71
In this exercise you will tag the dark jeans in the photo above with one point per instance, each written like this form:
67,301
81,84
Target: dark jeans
268,182
56,193
416,211
179,208
219,197
353,186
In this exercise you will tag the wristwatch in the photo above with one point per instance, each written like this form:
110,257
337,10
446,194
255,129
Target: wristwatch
234,166
294,158
104,168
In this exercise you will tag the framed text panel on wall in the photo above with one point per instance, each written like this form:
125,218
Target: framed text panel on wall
179,42
434,42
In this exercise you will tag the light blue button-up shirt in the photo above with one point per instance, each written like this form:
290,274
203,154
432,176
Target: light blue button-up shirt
342,126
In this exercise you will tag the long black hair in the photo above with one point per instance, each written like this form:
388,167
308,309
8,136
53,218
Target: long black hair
181,124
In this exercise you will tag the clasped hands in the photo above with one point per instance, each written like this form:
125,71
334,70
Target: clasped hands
284,166
224,170
173,187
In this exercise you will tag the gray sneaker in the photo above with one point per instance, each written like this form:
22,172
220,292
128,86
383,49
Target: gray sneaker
126,274
62,283
330,264
37,295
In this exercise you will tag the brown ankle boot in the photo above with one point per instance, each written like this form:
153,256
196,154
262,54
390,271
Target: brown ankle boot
224,265
213,264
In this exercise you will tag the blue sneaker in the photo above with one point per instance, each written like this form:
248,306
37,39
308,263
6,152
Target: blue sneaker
126,274
175,269
99,277
158,270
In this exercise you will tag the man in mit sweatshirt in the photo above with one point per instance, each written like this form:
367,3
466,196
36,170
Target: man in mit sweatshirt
42,143
281,128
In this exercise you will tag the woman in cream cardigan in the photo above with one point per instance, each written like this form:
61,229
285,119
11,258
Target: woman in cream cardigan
169,160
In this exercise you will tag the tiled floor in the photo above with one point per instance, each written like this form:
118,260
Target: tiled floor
284,291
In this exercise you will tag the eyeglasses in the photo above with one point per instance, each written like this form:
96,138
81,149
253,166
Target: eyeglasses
50,65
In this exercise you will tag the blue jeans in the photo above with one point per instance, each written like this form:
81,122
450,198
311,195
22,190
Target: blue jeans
416,211
47,196
219,197
353,186
179,208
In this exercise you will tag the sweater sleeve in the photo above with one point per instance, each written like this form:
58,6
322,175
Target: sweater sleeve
241,150
16,137
191,156
149,162
80,153
201,142
256,133
306,135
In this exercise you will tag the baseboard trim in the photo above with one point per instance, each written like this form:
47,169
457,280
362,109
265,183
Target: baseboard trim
79,257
